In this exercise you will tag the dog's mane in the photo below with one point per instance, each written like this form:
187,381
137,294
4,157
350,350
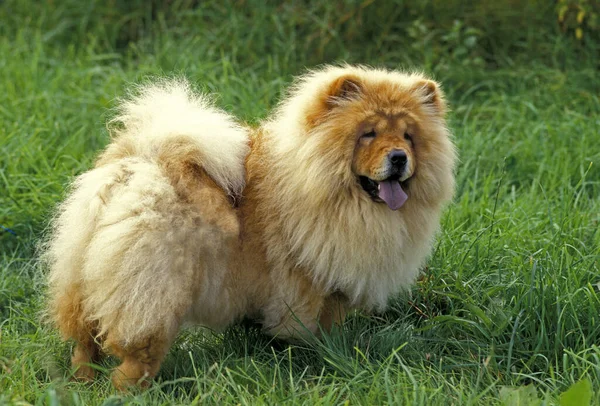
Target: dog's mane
326,225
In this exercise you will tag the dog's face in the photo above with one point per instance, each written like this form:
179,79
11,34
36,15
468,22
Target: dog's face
389,130
384,158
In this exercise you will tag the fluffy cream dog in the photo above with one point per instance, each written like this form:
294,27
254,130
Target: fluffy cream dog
330,205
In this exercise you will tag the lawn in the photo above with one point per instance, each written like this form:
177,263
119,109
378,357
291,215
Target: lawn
508,307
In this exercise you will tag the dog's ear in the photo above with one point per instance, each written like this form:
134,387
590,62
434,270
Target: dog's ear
344,88
431,95
339,90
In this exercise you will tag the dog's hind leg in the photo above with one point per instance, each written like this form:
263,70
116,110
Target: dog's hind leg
85,354
140,289
140,361
154,254
65,251
68,313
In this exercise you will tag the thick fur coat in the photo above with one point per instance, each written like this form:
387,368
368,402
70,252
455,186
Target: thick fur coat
330,205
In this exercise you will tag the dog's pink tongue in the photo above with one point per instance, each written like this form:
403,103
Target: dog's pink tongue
392,194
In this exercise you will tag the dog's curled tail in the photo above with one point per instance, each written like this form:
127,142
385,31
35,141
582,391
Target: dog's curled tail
167,122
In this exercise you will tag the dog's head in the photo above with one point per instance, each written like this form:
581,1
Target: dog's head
382,132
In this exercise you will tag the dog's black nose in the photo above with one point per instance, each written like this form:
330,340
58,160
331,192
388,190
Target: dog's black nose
398,159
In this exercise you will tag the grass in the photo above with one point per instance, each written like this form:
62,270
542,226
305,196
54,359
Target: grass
509,305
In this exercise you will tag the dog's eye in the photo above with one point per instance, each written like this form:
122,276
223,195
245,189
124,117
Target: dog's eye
408,137
370,134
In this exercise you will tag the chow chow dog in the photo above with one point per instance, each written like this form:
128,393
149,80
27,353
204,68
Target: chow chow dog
330,205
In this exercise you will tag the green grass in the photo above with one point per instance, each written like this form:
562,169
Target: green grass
510,297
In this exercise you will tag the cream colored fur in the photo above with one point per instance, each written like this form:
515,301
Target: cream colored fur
160,114
124,236
336,232
147,241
